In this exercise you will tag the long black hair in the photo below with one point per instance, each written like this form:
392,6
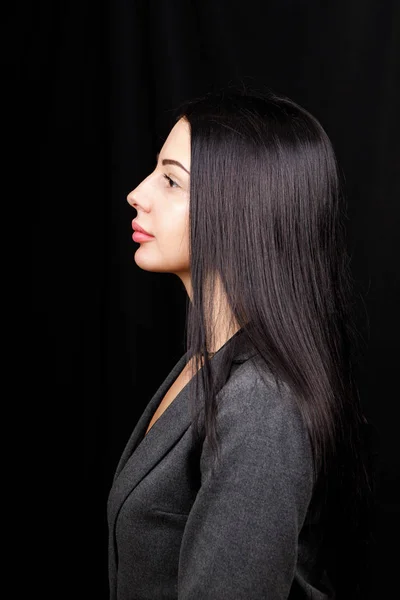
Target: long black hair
267,226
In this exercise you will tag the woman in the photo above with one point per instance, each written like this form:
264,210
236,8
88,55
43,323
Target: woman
247,475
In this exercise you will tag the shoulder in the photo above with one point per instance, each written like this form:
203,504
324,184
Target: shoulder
252,392
263,441
263,418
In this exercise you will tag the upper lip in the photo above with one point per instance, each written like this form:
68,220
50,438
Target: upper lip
137,227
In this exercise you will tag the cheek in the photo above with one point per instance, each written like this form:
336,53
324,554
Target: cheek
175,238
175,224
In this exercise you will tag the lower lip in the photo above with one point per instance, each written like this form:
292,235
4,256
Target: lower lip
138,236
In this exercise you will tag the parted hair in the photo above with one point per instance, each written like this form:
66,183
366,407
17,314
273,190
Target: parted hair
267,223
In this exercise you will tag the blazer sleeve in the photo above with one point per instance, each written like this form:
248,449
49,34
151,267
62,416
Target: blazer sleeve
241,536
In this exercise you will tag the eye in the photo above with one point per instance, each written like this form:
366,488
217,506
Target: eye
171,182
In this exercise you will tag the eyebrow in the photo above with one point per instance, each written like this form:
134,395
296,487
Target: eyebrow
170,161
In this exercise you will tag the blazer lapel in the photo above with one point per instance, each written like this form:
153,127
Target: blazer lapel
143,452
138,433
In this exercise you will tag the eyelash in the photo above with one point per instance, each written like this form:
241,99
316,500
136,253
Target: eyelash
170,180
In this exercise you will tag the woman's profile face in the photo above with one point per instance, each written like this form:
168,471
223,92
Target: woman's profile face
162,204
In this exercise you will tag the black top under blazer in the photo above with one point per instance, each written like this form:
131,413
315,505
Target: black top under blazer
245,533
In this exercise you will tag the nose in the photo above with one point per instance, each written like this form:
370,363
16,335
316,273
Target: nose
130,198
138,199
140,196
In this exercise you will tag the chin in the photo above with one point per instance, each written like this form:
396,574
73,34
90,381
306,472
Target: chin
149,265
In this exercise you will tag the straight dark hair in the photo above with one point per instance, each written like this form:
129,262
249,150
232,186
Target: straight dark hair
267,222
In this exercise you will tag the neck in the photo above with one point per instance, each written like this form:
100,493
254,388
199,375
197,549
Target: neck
222,325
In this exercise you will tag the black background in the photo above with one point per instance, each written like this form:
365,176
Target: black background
94,86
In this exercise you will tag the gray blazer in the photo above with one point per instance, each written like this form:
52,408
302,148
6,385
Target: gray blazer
175,532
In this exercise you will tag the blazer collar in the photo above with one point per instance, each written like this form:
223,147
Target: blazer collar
143,452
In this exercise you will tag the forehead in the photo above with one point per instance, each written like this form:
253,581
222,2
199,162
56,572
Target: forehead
177,144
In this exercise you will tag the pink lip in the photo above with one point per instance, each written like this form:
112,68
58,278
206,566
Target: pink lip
140,234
